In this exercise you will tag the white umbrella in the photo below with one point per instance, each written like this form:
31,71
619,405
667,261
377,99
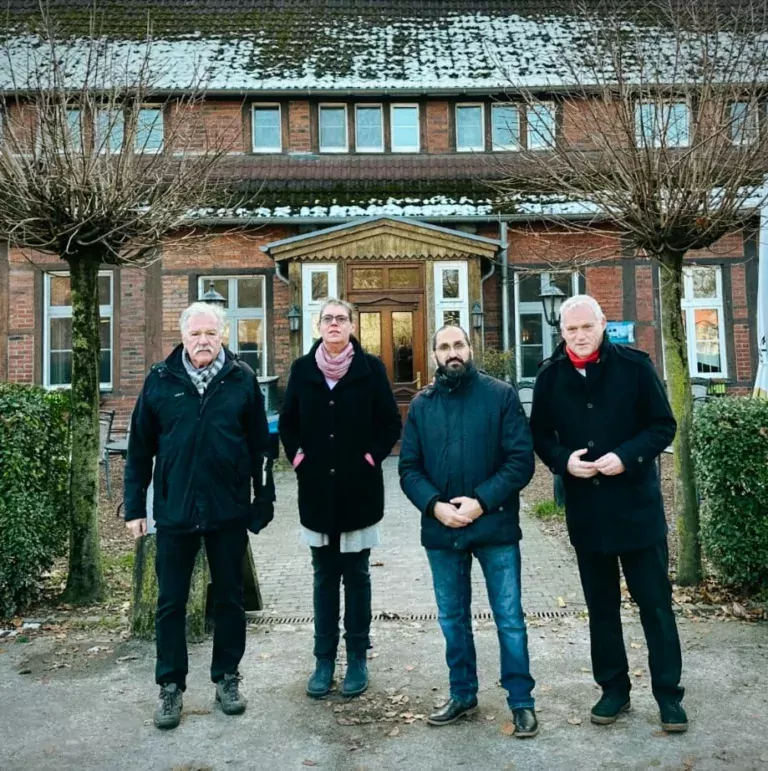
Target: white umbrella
760,390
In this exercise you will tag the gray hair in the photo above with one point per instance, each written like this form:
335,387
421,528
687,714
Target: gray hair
578,300
333,301
450,326
203,309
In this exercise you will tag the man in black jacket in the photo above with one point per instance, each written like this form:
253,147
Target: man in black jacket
465,456
600,418
200,418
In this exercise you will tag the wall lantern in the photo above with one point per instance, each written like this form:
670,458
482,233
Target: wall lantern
294,318
552,299
477,316
212,297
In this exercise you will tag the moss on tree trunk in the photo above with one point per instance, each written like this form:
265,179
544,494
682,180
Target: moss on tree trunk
85,582
679,390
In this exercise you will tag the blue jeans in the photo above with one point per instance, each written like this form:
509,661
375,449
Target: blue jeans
451,572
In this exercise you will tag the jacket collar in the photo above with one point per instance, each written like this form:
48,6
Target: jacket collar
444,383
175,364
559,354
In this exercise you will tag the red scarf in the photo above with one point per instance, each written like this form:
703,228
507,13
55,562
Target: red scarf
334,368
580,363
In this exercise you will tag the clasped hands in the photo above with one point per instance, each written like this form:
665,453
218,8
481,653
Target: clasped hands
458,512
609,464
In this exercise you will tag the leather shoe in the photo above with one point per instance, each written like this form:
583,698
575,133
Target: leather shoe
609,707
673,717
451,711
356,678
526,724
322,678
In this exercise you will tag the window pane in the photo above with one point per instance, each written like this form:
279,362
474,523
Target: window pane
249,343
61,335
677,124
333,133
469,128
658,124
105,334
707,341
266,128
105,290
74,127
505,127
221,285
149,130
319,286
405,128
563,282
370,333
530,288
368,131
109,130
531,355
404,278
60,368
704,282
452,317
541,126
249,293
60,291
530,329
450,283
744,122
402,346
367,278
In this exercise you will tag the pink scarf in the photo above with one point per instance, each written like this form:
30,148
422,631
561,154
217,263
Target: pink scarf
334,368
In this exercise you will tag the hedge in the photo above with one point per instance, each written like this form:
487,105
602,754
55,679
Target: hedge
34,479
730,445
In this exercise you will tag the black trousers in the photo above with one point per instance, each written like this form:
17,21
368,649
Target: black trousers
175,561
646,573
330,567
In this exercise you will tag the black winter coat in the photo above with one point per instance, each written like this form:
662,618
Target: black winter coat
339,491
473,441
621,406
207,450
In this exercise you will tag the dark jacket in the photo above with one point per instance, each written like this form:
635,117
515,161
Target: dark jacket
473,441
207,450
620,406
338,489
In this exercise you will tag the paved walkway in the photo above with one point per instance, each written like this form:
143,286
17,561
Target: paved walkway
400,573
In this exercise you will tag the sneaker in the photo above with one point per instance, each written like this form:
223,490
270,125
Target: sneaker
673,717
169,706
321,680
526,724
229,697
451,711
608,709
356,678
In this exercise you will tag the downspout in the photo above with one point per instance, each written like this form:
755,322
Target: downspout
504,286
483,279
283,278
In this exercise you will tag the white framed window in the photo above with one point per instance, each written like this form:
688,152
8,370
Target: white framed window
541,133
662,124
369,128
535,340
149,130
57,330
110,130
318,283
75,129
470,128
702,307
505,127
451,294
404,122
266,128
246,333
333,128
744,122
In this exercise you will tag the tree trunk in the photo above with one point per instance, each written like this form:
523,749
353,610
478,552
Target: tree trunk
85,582
679,390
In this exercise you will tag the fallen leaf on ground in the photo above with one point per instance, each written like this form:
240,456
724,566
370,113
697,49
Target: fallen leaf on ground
574,721
373,656
490,717
377,564
561,603
545,688
586,669
635,645
409,667
198,711
308,763
508,728
638,673
394,732
121,659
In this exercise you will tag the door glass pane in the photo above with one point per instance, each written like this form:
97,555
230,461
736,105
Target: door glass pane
704,282
404,278
249,293
707,341
319,286
61,334
367,278
60,291
530,288
450,284
402,346
452,317
249,346
370,333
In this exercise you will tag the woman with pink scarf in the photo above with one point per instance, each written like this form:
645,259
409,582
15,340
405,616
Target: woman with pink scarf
339,422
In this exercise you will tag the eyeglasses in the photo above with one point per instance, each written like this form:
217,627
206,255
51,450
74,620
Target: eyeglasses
338,319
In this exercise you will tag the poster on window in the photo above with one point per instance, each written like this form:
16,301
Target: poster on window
620,331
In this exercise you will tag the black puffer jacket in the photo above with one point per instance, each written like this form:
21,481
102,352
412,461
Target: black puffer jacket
473,441
620,406
208,450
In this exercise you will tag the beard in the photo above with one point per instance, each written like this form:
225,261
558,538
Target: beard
453,372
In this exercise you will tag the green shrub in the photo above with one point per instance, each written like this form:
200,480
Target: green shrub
498,364
548,510
34,479
730,445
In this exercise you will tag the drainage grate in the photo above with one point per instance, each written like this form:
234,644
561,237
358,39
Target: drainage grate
262,619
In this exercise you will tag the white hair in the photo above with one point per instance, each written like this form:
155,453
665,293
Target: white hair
203,309
578,300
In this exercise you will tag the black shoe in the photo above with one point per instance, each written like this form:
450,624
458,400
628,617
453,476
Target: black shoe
610,706
451,711
169,706
673,717
321,679
356,678
228,695
526,724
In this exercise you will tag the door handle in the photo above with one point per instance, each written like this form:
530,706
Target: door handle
418,381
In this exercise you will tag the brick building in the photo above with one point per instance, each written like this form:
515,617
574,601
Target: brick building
367,129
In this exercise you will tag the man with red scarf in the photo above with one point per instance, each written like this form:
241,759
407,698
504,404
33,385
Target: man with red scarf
600,417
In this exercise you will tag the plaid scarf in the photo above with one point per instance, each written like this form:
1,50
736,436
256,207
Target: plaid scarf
202,377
